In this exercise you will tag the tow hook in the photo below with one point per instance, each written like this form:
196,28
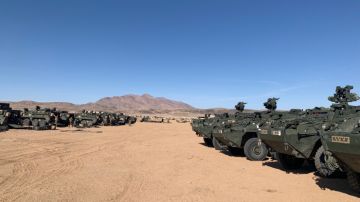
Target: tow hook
286,146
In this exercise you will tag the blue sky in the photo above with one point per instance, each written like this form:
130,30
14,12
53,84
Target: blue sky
208,53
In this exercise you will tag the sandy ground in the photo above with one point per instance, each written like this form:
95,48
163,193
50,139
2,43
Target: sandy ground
145,162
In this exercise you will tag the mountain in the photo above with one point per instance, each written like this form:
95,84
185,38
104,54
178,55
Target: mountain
143,102
126,103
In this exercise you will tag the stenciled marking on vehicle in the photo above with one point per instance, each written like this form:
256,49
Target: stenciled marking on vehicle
276,132
264,132
340,139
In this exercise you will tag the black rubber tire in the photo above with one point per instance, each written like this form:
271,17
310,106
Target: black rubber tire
255,152
83,124
289,162
236,151
42,124
35,124
208,142
217,145
26,122
320,165
353,179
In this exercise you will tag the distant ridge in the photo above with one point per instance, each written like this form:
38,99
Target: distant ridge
124,103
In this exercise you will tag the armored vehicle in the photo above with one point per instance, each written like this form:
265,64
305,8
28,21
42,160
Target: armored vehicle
198,126
5,112
104,119
115,119
38,119
121,119
296,138
182,120
155,119
131,120
63,118
241,134
204,126
341,137
86,119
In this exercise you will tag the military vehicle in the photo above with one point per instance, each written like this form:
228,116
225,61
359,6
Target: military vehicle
341,136
5,112
121,118
298,139
198,126
204,126
104,119
131,120
63,118
182,120
115,119
240,135
86,119
38,119
155,119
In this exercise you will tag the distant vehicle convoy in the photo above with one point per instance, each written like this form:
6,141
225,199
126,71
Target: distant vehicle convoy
328,138
47,119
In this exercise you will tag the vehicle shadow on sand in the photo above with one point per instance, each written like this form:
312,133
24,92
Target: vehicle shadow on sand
80,131
335,184
205,145
237,154
305,169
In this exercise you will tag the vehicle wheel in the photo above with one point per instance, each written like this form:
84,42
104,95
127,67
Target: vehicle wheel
217,144
83,124
236,151
208,142
35,124
289,162
321,166
255,152
42,124
353,179
26,122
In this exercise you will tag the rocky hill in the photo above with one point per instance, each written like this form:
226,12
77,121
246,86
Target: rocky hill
126,103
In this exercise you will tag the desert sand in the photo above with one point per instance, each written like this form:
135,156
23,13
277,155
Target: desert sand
145,162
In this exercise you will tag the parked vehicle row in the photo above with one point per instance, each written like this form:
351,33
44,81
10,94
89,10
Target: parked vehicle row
46,119
328,138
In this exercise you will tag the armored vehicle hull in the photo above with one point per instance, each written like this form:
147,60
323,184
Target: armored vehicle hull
155,119
5,112
86,120
295,138
63,118
341,144
38,119
241,134
131,120
204,127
